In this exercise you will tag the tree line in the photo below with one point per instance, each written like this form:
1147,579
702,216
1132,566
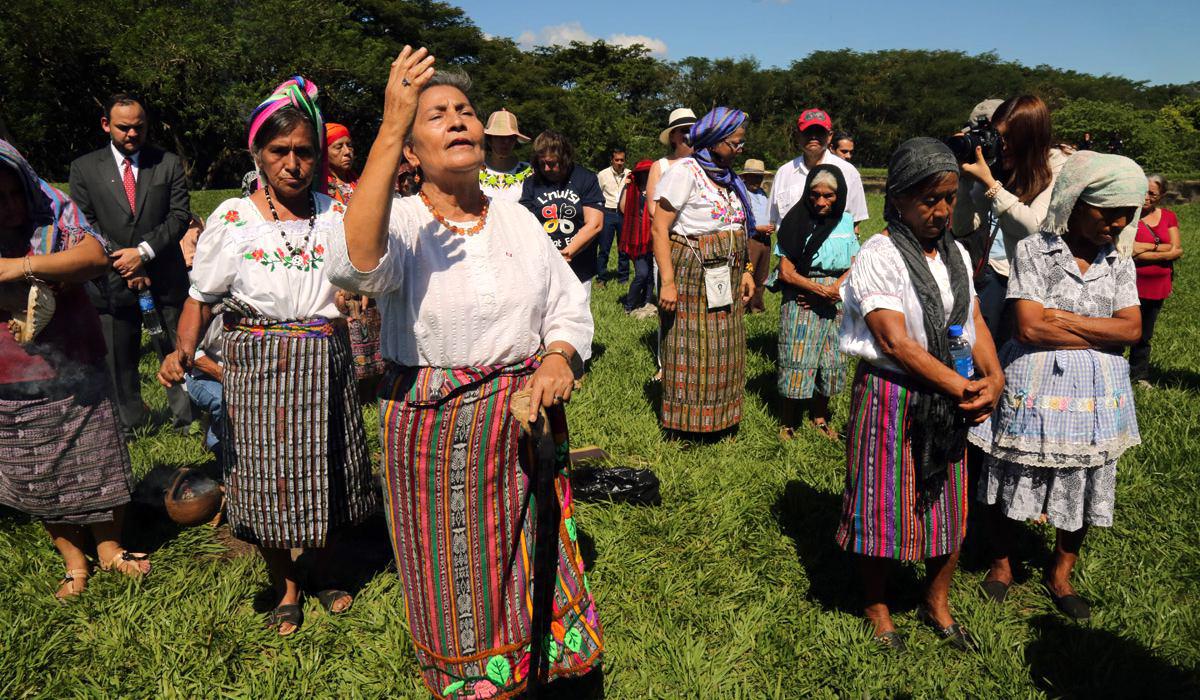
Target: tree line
202,65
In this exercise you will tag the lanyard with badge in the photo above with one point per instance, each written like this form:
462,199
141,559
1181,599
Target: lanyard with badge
718,289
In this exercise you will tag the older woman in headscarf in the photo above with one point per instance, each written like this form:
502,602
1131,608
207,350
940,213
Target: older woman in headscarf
906,482
1067,412
477,305
700,245
341,179
62,459
294,452
817,243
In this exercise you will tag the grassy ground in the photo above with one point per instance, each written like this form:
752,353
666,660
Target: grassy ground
732,588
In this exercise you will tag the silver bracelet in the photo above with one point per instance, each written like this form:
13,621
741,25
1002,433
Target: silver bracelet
993,191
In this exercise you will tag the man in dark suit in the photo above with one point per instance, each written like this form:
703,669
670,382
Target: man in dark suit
137,197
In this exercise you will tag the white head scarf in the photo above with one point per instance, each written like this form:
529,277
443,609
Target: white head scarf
1101,180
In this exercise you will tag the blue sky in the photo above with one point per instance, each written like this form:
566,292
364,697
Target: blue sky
1155,40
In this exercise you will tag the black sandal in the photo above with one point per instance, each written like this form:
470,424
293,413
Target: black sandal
330,596
997,591
892,641
290,614
954,633
1071,605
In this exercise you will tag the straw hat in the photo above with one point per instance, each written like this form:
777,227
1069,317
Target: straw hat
504,123
679,118
754,166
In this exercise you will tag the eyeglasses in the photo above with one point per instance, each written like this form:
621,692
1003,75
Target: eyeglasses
735,147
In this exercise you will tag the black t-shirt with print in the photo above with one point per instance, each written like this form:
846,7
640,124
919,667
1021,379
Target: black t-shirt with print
560,209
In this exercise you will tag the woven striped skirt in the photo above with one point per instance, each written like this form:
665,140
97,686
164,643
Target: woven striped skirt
295,455
880,512
703,351
456,478
809,360
62,458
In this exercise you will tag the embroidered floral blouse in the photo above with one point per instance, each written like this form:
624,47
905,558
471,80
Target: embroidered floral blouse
243,255
702,206
497,184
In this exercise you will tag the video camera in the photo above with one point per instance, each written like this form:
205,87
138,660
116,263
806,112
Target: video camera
982,135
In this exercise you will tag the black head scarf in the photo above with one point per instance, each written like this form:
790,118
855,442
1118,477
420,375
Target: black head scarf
802,232
938,428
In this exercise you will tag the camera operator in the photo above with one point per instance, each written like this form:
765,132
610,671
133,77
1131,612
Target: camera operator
999,208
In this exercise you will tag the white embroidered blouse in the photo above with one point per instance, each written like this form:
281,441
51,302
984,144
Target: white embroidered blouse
879,280
451,300
702,207
243,255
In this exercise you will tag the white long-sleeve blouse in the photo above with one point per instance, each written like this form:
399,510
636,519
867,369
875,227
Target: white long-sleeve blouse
451,300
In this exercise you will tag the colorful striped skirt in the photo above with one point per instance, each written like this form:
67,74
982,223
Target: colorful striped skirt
809,360
881,516
62,458
703,351
294,451
457,477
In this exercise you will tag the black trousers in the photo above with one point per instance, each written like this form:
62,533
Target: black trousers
1139,354
122,328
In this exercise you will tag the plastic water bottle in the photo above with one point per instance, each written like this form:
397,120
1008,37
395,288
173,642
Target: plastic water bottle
150,318
960,352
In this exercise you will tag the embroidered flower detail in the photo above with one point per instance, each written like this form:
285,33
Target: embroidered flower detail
337,206
319,249
484,689
232,216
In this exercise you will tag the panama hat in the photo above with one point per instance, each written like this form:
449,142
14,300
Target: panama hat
679,117
504,123
754,166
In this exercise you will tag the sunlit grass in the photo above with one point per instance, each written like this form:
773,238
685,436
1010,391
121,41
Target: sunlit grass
732,588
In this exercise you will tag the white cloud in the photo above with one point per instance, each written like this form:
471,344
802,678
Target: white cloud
565,33
657,47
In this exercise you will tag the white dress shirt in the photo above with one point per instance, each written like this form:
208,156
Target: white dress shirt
611,184
788,187
450,300
879,280
242,254
143,248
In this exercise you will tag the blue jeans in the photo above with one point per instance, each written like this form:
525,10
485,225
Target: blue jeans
610,232
641,290
206,394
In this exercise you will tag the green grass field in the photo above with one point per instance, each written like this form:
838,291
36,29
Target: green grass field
733,588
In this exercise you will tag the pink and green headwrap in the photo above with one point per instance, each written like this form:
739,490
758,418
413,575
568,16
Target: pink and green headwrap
295,92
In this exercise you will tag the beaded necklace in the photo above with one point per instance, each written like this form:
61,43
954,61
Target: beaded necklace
312,222
455,229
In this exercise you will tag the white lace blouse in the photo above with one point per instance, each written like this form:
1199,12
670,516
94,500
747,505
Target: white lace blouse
451,300
241,254
879,280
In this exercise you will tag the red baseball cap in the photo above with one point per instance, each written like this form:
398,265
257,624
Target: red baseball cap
814,117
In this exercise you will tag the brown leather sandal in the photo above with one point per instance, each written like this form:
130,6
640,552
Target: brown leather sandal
72,584
128,563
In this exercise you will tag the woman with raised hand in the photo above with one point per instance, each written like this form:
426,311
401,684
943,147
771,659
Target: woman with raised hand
293,448
477,304
909,289
1067,412
699,235
62,459
818,243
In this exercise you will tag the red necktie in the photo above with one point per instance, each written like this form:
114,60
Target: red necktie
130,185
